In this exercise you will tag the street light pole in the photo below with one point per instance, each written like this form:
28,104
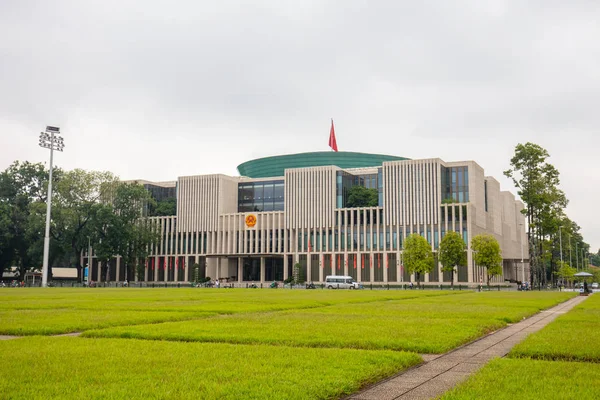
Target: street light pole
522,262
570,253
89,268
560,241
49,139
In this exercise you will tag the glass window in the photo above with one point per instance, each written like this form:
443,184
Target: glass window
268,192
258,192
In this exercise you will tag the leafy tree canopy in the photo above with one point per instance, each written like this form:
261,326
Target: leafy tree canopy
417,256
486,253
164,207
452,252
360,196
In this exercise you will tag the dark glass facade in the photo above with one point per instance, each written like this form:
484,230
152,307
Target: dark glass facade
261,196
344,181
455,184
160,193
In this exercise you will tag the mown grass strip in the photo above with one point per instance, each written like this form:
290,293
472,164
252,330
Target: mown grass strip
431,325
574,336
530,379
211,300
123,369
52,322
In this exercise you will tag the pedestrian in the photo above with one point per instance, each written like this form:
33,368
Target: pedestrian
411,285
217,283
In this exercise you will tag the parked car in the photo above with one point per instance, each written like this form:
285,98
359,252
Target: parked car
595,285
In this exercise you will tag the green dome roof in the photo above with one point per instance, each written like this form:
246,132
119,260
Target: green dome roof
268,167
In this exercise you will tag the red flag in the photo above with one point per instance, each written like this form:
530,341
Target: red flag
183,263
332,142
146,263
152,262
378,260
309,246
176,263
355,261
338,264
362,264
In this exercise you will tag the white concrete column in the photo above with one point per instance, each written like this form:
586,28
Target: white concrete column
118,273
166,270
262,270
308,267
345,261
385,265
240,269
398,268
285,266
372,261
155,271
99,272
147,269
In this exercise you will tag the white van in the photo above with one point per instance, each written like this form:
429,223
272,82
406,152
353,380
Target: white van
341,282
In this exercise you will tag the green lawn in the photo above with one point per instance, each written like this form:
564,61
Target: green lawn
77,368
54,311
530,379
239,343
424,325
573,336
52,322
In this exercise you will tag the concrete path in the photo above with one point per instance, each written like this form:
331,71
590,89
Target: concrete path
9,337
440,373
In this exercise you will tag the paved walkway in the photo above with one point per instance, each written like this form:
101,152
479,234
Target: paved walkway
9,337
440,373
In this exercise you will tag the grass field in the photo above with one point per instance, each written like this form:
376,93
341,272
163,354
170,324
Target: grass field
562,361
574,336
531,379
124,369
211,343
35,312
424,325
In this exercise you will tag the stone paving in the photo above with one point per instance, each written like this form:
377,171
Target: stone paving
440,373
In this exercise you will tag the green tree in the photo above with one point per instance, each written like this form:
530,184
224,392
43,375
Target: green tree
360,196
78,193
486,253
452,253
23,191
537,184
164,207
119,228
297,274
566,272
417,256
6,239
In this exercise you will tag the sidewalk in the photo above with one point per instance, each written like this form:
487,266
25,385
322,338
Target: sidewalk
440,373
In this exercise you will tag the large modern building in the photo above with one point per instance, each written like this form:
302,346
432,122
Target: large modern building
291,209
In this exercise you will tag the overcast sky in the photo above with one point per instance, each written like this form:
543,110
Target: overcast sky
160,89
